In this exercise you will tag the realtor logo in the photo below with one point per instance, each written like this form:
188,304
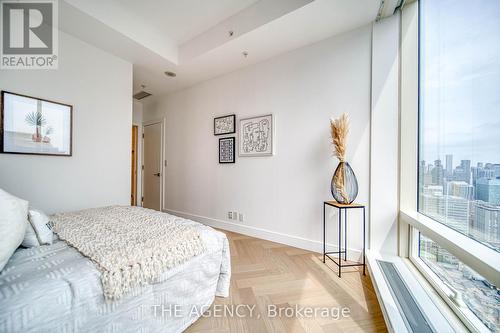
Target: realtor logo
29,34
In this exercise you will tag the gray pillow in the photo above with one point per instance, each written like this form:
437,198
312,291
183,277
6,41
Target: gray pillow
13,222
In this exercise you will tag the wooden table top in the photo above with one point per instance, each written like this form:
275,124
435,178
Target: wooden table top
339,205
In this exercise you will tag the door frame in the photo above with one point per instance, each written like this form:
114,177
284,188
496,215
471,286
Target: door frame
135,160
160,121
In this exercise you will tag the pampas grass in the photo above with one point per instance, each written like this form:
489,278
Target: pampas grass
339,129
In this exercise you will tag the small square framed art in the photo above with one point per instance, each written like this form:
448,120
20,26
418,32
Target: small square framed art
227,150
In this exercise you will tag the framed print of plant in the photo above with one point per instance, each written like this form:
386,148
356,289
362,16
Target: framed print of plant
37,126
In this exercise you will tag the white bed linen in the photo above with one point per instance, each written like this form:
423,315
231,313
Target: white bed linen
54,288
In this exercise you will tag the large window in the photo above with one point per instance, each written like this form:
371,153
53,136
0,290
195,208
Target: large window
459,147
459,151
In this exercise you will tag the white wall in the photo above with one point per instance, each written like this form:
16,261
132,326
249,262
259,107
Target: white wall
281,196
99,86
137,120
385,136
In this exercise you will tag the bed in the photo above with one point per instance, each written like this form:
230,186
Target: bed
54,288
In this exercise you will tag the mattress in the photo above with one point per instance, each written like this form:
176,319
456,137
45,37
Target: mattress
55,289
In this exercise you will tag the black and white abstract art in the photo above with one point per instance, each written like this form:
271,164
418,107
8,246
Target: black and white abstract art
226,150
225,125
256,136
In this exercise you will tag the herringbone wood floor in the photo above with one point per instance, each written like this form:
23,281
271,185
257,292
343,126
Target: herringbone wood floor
266,273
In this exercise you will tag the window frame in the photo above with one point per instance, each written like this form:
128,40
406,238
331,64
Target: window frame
466,316
483,259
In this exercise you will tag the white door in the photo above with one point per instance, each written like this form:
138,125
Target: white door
152,176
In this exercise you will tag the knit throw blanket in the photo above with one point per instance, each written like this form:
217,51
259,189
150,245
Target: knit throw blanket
131,246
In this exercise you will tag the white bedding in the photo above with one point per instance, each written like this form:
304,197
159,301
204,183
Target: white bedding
129,245
54,288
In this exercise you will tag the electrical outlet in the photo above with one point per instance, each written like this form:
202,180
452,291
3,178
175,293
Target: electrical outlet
235,215
242,217
230,215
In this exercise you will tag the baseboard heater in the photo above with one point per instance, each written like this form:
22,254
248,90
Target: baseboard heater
411,313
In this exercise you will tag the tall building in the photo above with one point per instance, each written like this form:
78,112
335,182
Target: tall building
433,190
457,213
450,210
431,200
465,164
496,169
488,190
449,166
486,224
475,174
432,206
479,172
431,250
422,171
489,173
438,173
460,189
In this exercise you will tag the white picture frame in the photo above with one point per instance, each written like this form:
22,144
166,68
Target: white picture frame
256,136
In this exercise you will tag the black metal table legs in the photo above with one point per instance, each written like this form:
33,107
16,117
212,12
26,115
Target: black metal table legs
344,251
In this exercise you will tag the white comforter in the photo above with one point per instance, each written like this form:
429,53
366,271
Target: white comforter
131,246
55,289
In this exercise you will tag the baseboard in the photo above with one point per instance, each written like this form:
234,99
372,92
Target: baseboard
295,241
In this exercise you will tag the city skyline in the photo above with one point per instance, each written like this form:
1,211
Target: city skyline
456,162
465,197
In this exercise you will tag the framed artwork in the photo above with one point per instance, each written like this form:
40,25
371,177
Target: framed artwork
30,125
225,125
256,136
226,150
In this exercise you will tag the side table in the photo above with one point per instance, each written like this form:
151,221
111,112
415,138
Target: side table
345,208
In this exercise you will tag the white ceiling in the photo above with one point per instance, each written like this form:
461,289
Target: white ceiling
183,20
190,37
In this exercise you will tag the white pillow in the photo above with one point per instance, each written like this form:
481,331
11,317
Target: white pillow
40,223
13,219
30,238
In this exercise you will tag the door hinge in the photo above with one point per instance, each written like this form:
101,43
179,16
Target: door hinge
142,167
143,135
142,199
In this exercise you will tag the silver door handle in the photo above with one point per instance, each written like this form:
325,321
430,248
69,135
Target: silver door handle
156,174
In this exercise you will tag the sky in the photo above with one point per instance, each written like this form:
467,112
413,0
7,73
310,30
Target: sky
460,80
